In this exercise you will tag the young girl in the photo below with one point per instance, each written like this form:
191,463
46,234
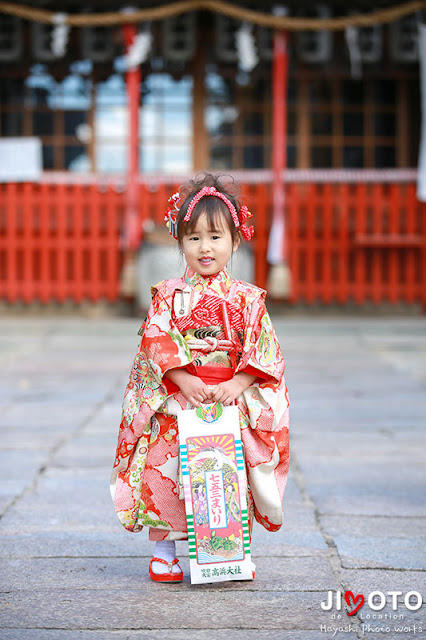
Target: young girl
207,338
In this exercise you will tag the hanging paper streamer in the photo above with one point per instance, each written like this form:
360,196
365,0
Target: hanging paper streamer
421,173
215,489
352,39
246,47
60,34
139,49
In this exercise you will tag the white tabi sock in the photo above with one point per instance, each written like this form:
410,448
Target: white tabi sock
166,550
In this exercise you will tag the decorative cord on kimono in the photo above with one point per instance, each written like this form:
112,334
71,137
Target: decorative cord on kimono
209,344
228,333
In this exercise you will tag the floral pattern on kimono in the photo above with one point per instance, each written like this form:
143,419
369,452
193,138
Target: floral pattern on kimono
148,429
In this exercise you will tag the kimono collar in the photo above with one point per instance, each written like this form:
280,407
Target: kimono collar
219,283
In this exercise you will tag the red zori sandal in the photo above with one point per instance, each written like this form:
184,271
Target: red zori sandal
165,577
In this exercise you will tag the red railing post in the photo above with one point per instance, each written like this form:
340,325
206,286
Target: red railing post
133,82
410,281
422,207
131,235
344,286
11,241
278,239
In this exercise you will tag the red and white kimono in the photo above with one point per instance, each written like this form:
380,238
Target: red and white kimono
215,327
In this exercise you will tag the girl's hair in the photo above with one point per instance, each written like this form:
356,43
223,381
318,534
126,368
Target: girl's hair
215,209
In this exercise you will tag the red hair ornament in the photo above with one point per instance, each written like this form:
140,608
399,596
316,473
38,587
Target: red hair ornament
239,217
170,215
243,215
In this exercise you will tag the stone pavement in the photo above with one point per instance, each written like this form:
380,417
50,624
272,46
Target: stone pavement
355,504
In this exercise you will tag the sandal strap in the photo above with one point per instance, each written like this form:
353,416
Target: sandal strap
173,562
170,565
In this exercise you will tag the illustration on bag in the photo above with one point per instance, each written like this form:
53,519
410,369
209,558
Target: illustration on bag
215,492
215,498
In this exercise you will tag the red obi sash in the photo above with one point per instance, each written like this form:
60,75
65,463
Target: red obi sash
213,375
209,375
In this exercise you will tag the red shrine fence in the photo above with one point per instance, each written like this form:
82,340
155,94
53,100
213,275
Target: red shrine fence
352,237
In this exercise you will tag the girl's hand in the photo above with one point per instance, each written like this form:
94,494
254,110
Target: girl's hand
195,390
226,392
192,387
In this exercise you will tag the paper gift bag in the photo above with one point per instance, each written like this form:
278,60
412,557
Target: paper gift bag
215,491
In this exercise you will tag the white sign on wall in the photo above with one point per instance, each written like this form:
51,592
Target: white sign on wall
20,159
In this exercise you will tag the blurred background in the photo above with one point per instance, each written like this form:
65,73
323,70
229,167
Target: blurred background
105,110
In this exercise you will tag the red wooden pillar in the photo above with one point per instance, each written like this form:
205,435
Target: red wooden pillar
133,81
278,243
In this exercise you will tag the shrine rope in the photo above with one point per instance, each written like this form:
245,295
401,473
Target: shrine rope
381,16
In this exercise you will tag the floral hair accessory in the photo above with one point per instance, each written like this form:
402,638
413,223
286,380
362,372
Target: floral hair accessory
170,216
239,217
243,215
211,191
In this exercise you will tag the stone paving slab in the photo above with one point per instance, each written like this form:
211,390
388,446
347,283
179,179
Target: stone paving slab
297,517
363,506
348,499
64,500
395,527
88,450
39,379
296,544
357,326
74,544
384,552
365,473
395,409
285,574
13,484
356,381
378,447
62,415
367,491
26,439
349,424
94,543
131,609
166,634
367,580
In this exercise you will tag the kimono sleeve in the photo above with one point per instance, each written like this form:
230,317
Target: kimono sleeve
266,401
264,416
162,344
261,350
162,347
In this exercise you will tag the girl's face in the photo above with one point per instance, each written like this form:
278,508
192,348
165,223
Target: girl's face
208,250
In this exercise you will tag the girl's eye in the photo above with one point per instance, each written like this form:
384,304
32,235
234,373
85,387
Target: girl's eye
215,237
193,238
